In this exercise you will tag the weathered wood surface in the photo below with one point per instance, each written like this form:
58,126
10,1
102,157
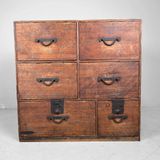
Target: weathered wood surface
127,48
126,87
29,88
128,127
78,59
63,49
33,118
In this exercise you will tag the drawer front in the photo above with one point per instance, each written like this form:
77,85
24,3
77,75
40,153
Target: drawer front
35,119
109,80
109,40
128,126
46,40
47,80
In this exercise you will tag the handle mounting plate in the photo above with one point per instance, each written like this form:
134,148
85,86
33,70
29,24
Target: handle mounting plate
57,106
118,106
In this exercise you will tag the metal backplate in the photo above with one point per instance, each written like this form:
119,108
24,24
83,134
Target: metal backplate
118,106
57,106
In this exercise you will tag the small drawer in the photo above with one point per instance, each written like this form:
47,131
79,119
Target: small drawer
110,40
36,119
107,80
121,124
47,80
48,40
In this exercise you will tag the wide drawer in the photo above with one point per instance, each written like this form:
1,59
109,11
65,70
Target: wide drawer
125,124
107,80
47,80
109,40
46,40
37,120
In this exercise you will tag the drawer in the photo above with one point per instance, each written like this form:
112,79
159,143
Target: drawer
125,124
47,80
107,80
37,120
49,40
111,40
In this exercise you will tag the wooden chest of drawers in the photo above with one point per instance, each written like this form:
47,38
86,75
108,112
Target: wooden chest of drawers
78,80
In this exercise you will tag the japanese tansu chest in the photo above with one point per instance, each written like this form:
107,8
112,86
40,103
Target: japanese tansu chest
78,80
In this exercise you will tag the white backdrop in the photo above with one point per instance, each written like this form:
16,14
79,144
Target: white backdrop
147,10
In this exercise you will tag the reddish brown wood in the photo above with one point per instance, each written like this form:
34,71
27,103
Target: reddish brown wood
128,127
29,88
127,48
126,87
63,49
33,117
78,59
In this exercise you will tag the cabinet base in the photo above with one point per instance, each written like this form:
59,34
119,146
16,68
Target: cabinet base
76,139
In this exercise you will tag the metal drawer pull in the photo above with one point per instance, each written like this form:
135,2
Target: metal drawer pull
46,41
117,118
108,80
58,119
48,81
112,40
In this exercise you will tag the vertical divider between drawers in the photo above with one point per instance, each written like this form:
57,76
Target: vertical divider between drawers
78,79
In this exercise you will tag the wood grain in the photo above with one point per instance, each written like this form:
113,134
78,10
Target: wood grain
63,49
81,122
126,87
127,48
78,59
128,127
29,88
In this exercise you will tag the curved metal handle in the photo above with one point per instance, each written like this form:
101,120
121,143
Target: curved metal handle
48,81
58,119
46,41
110,39
108,80
117,118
